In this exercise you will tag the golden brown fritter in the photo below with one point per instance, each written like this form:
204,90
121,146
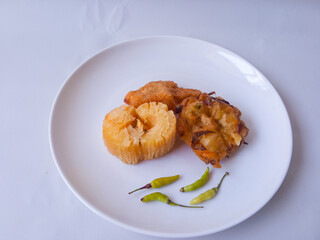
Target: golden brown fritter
166,92
211,127
136,134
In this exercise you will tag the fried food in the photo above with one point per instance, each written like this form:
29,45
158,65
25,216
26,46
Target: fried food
211,127
136,134
166,92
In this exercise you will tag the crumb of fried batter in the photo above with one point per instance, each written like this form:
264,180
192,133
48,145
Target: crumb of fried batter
166,92
211,127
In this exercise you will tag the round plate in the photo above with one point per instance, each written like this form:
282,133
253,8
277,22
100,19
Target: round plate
102,182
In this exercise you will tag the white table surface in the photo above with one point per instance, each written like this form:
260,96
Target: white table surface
42,42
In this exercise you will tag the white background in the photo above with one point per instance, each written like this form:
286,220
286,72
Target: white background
42,42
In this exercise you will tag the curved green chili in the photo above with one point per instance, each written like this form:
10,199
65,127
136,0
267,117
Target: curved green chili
158,196
197,184
159,182
211,193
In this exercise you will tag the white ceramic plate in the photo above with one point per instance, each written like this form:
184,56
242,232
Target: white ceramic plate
102,182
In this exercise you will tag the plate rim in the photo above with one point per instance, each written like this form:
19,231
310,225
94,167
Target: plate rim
137,229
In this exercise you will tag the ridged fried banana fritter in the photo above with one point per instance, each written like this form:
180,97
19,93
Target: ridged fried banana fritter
136,134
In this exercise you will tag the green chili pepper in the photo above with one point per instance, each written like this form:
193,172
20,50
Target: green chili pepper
197,184
158,196
211,193
159,182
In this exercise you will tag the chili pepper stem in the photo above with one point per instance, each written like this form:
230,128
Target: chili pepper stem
227,173
146,186
176,204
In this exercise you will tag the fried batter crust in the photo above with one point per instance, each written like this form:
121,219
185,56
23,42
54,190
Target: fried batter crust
166,92
211,127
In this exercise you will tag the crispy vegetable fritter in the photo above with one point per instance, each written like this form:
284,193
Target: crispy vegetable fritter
211,127
166,92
